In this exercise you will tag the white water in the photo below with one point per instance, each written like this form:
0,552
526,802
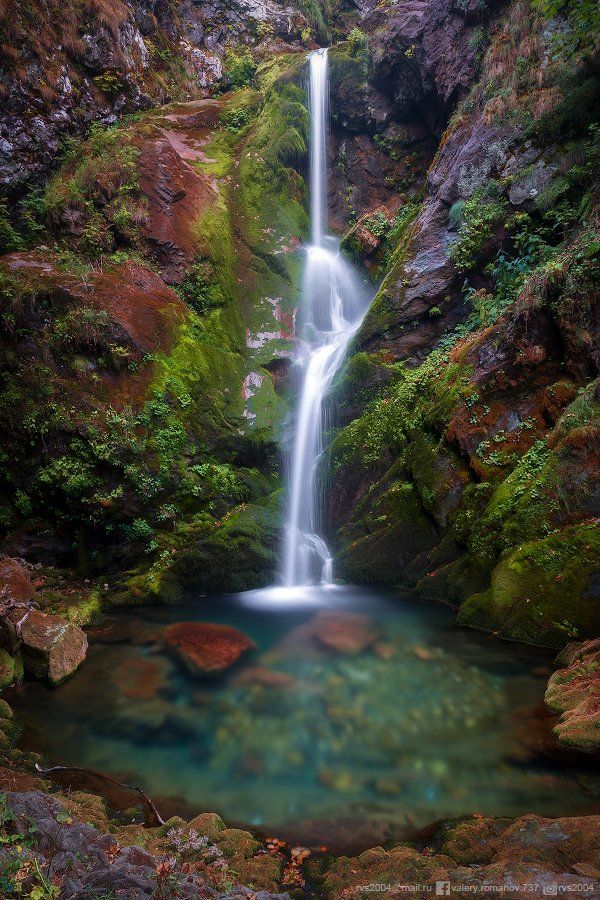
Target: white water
332,305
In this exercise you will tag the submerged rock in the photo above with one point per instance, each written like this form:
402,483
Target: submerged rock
206,648
574,691
52,648
344,632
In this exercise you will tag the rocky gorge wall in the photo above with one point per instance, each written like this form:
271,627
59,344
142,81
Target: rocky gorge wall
150,283
152,162
467,464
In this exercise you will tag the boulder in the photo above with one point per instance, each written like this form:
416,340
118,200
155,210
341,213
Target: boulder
52,648
344,632
574,692
15,583
206,648
16,593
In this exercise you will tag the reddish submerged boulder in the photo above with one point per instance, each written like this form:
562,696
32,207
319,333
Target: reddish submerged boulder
206,648
344,632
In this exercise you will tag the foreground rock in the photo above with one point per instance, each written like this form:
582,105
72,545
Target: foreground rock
542,856
52,648
176,860
574,692
206,648
46,646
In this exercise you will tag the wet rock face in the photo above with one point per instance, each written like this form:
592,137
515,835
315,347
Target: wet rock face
206,648
101,63
422,54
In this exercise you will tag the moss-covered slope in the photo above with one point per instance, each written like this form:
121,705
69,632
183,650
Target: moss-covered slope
467,463
144,329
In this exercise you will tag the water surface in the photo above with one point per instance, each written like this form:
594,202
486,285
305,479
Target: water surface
426,723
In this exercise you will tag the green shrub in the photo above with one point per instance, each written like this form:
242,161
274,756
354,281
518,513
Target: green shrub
200,289
240,68
480,215
110,83
236,119
10,239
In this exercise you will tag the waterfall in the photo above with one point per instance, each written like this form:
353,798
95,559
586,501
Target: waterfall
332,304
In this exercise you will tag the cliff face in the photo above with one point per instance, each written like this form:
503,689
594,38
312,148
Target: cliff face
151,268
147,316
469,463
64,66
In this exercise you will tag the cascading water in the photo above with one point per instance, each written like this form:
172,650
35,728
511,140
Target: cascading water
332,305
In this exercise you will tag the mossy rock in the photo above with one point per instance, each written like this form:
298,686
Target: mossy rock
249,535
7,669
544,592
9,727
387,531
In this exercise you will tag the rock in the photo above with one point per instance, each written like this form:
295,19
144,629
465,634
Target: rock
384,650
483,854
344,632
8,669
140,678
260,676
209,824
52,647
574,692
15,583
206,648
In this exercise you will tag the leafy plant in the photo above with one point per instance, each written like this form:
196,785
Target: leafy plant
240,68
479,217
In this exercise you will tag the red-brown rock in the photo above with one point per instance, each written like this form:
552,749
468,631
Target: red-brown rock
141,679
259,676
16,593
344,632
206,648
574,692
15,583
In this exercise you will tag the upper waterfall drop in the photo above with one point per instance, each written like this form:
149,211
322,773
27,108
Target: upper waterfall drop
331,307
319,111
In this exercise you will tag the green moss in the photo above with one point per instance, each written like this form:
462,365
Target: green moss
7,669
387,529
540,592
479,216
100,181
86,611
